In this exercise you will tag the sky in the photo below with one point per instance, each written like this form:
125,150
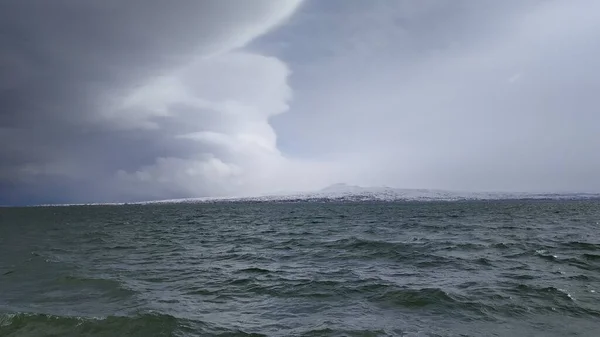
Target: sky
108,101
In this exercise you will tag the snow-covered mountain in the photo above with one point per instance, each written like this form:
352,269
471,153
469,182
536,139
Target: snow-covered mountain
344,192
351,192
348,193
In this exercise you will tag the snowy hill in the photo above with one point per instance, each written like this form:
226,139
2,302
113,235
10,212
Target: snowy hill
346,193
350,193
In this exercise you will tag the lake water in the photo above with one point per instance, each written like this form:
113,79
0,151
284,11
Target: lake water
476,268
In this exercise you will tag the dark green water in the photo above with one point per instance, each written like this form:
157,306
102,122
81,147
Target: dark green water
503,268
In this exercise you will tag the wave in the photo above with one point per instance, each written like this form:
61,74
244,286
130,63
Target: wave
591,257
107,286
581,277
352,333
450,246
358,243
100,282
438,300
366,245
374,290
254,270
142,325
544,254
24,324
374,248
415,298
548,299
549,293
583,245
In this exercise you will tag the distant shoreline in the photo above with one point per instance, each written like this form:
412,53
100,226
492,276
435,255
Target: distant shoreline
337,199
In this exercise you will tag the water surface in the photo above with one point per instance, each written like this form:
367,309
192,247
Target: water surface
477,268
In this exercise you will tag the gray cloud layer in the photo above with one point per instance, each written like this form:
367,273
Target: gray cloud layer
477,95
135,100
78,79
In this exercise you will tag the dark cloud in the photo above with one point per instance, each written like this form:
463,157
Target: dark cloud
65,65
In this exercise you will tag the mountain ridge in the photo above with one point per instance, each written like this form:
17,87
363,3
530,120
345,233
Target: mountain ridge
342,192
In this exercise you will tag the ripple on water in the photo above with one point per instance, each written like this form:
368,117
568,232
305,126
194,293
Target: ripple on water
360,269
24,324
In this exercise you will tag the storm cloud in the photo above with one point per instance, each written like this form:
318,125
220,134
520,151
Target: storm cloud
138,100
142,99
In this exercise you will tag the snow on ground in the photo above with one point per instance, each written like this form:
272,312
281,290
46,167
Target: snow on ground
350,193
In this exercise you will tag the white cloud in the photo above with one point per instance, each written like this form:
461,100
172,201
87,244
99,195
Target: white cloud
221,108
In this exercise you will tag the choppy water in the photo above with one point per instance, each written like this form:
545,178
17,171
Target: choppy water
503,268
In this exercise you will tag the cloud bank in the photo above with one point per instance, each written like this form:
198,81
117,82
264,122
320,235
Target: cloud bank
461,95
140,100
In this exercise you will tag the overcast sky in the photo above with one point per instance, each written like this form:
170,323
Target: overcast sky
150,99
